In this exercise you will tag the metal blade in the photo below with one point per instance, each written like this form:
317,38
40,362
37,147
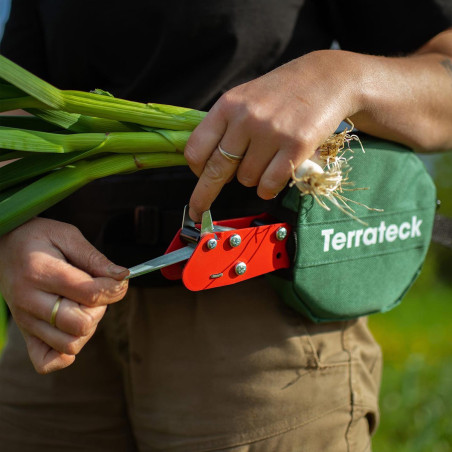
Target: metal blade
179,255
206,223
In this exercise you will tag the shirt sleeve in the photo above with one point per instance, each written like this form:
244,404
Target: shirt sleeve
23,39
388,27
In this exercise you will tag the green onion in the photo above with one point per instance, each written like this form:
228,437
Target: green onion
92,104
34,86
31,200
35,141
75,122
82,146
74,137
20,103
153,115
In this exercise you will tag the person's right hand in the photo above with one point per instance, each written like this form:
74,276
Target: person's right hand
42,260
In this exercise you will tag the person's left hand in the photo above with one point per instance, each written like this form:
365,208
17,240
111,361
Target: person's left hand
280,117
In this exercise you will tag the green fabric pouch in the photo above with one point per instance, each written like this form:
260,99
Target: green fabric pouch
344,270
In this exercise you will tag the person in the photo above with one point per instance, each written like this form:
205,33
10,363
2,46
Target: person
232,368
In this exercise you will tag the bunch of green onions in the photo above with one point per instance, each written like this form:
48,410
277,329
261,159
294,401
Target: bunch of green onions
75,137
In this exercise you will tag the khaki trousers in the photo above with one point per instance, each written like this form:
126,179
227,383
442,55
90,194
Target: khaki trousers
225,369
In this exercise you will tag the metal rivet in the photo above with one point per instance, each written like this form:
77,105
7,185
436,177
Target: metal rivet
281,234
235,240
211,244
240,268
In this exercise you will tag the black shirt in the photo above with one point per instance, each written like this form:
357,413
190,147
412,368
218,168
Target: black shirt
187,53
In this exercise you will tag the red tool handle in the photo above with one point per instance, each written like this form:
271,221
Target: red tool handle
261,249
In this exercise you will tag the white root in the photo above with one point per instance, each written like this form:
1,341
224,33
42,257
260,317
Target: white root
328,182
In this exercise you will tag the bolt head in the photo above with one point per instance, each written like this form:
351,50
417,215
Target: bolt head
240,268
281,234
235,240
211,244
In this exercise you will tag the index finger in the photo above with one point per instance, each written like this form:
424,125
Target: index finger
204,139
223,126
217,171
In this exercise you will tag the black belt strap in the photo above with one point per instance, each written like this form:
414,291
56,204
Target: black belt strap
442,231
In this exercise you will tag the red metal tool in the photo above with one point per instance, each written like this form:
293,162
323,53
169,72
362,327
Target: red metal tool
223,252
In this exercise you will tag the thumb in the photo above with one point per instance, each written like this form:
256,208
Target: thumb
80,253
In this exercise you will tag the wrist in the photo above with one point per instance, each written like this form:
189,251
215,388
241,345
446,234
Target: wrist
360,81
344,74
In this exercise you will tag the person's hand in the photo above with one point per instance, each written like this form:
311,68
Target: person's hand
280,117
286,114
41,261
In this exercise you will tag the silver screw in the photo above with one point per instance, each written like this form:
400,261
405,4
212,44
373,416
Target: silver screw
211,244
240,268
281,234
235,240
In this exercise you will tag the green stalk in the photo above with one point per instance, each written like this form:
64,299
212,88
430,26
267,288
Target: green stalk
153,115
38,164
11,191
145,136
20,103
47,191
51,151
111,108
75,122
92,104
125,142
28,140
29,83
35,165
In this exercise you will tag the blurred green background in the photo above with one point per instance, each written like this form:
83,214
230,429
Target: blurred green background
416,395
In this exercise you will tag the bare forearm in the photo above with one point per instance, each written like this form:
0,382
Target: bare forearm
409,99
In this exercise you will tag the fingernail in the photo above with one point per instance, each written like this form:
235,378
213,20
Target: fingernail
116,270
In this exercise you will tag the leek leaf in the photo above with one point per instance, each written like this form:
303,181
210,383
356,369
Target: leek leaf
38,196
29,83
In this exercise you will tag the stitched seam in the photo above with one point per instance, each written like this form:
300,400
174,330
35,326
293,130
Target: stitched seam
397,211
340,364
307,336
370,253
272,435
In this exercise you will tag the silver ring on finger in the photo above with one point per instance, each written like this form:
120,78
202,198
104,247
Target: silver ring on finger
56,306
231,157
